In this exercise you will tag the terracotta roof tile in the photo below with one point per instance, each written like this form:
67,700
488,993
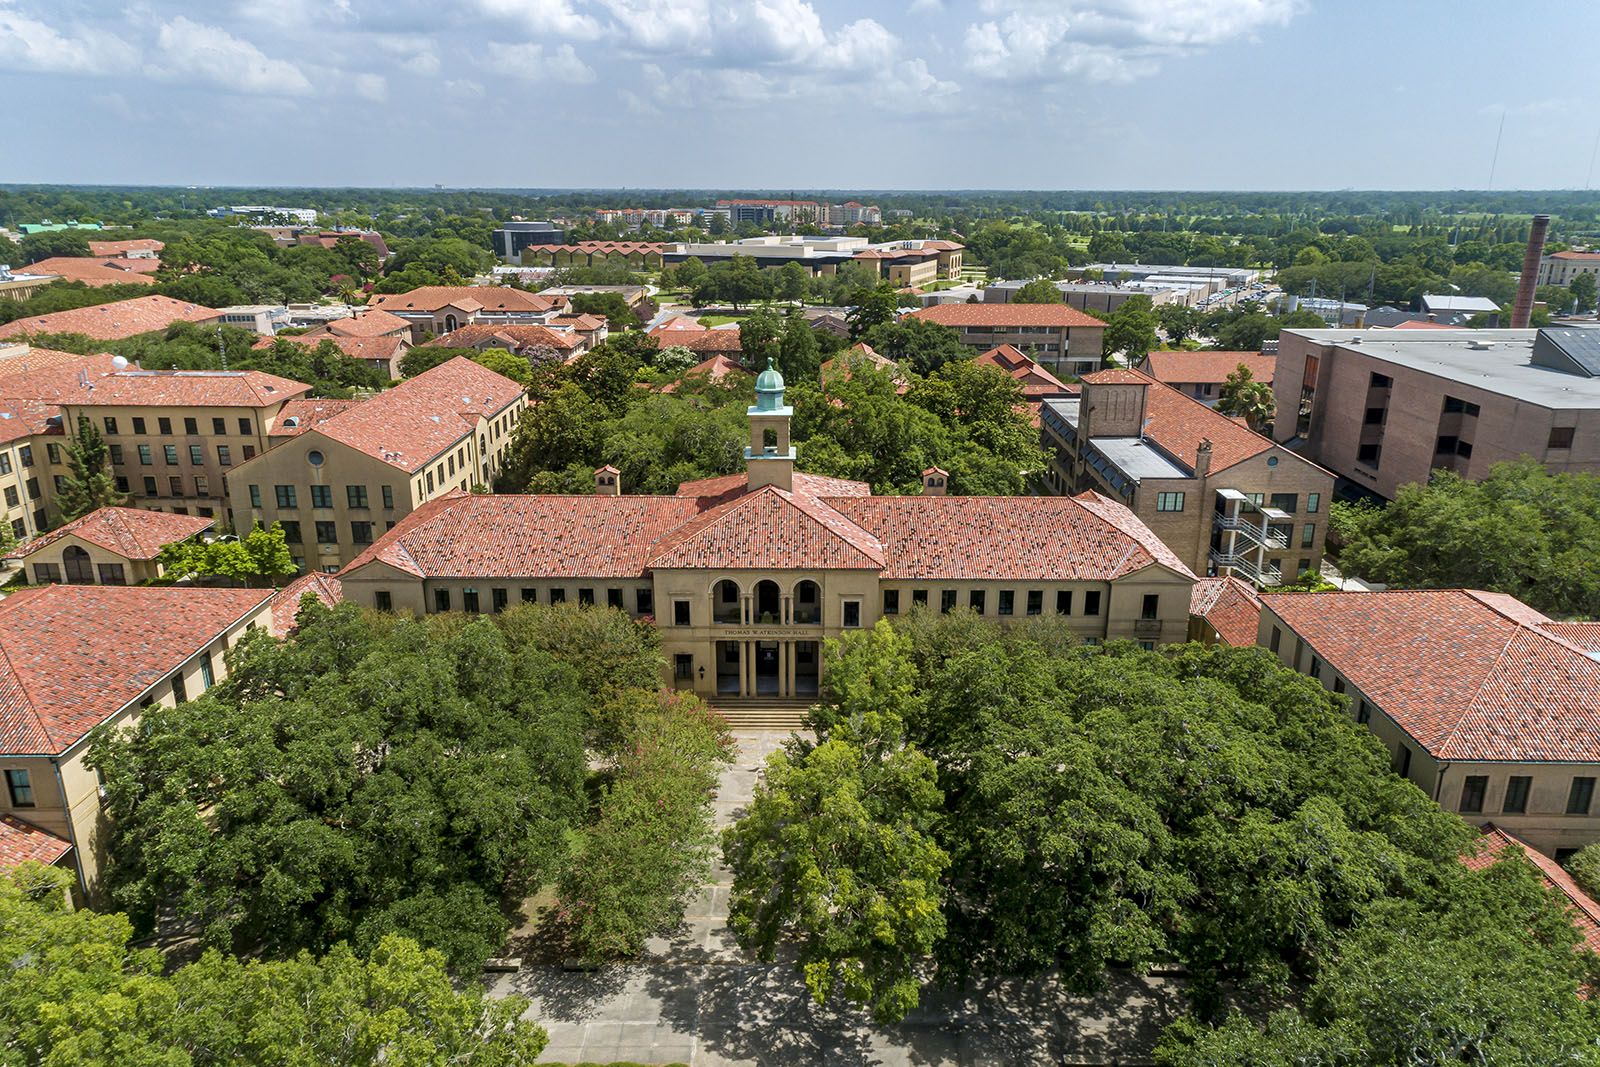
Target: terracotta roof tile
1178,423
1468,675
36,359
716,368
122,248
129,532
24,417
1232,607
22,842
73,656
771,527
1586,635
811,484
495,298
1179,368
298,416
1034,379
1584,913
92,272
286,603
187,388
121,318
364,347
1586,257
370,323
1049,316
517,336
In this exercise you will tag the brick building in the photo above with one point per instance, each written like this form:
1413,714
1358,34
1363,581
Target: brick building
1063,339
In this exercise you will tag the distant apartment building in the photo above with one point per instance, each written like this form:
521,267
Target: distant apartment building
511,238
1226,500
264,319
1386,408
340,473
439,309
1088,296
851,213
764,211
1203,374
303,215
1062,339
1486,705
1561,268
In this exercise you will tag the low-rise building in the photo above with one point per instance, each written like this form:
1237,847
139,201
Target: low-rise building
264,319
22,284
748,574
114,321
1202,374
1486,705
93,272
340,473
512,237
1386,408
439,309
1062,339
381,353
110,546
1224,610
1090,296
566,342
1224,498
1455,310
78,657
141,248
1561,268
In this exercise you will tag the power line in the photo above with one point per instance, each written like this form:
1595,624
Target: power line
1495,162
1590,176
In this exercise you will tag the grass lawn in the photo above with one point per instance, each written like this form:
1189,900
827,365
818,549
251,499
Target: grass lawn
720,320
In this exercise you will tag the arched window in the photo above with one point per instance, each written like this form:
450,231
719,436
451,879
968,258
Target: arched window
75,561
725,603
769,439
769,607
807,603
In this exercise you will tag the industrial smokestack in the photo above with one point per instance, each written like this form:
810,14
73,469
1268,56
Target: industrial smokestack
1522,310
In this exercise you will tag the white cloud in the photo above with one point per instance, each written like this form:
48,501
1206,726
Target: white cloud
292,13
464,89
559,17
413,52
193,50
1108,40
531,62
31,45
919,6
372,87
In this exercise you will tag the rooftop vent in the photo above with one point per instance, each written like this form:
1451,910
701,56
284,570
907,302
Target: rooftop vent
1480,345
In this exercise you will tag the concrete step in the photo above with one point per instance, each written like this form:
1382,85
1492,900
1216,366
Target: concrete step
755,713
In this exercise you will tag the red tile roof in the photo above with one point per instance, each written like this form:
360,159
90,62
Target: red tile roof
1586,635
121,248
92,272
512,336
1468,675
676,324
1178,423
370,323
1181,368
1584,913
716,368
1034,379
25,417
131,533
422,417
286,604
812,484
1232,607
298,416
187,388
73,656
1588,257
384,347
22,842
494,298
581,323
1418,324
109,322
725,341
1047,316
35,359
771,528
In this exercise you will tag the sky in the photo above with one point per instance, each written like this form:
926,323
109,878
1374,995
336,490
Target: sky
788,94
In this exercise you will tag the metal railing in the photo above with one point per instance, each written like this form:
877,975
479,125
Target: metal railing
1268,536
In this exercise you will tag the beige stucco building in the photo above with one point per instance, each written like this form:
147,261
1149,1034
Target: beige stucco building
1063,339
109,546
169,645
341,473
1226,500
747,575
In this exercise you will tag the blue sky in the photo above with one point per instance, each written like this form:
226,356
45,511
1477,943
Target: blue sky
779,94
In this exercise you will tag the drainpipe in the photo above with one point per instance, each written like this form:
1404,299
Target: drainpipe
72,832
1438,786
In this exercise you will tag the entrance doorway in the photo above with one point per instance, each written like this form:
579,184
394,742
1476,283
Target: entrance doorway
727,668
806,663
767,681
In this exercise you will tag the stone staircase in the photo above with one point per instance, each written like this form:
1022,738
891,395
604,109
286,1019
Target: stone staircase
763,713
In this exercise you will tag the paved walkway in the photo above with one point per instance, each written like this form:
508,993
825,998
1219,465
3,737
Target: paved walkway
695,998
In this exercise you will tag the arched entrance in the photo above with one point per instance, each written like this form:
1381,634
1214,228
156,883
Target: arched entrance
769,605
725,607
807,603
75,562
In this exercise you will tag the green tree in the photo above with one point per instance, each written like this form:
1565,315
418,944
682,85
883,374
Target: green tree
916,344
1244,397
506,363
793,280
76,993
426,357
261,556
1582,289
759,339
1178,321
1039,291
612,306
52,243
1130,330
799,355
872,308
88,485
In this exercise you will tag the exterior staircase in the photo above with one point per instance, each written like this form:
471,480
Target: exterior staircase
763,713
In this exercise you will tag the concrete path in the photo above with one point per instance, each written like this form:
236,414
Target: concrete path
695,998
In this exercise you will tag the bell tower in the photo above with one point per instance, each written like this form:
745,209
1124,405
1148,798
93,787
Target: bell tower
770,458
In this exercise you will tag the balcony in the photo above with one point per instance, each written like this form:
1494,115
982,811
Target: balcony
1247,566
1252,531
1148,628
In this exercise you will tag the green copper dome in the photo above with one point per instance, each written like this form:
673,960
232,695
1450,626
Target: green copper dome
769,389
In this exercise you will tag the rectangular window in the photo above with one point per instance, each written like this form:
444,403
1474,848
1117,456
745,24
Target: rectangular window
1091,602
852,614
1464,449
225,455
680,613
1472,789
388,496
164,425
644,601
208,677
585,597
1035,601
291,530
469,600
21,789
975,600
1008,602
1560,437
1379,381
13,498
1169,501
191,426
947,601
52,453
322,496
111,424
58,481
327,533
1313,502
1308,535
558,596
497,600
122,484
138,424
1364,713
891,601
1517,794
180,693
1579,796
356,495
5,461
1374,416
150,487
46,573
441,600
361,533
170,454
1151,608
614,599
285,496
430,481
530,595
245,427
112,574
176,484
144,455
219,426
382,600
1369,454
255,496
1285,501
683,666
1445,445
249,451
201,486
1064,602
919,596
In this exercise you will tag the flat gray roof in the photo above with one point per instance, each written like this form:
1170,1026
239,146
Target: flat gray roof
1137,459
1505,368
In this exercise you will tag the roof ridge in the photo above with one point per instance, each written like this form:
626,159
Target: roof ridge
22,686
1471,703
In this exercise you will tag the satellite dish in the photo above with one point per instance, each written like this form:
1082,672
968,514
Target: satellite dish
119,362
